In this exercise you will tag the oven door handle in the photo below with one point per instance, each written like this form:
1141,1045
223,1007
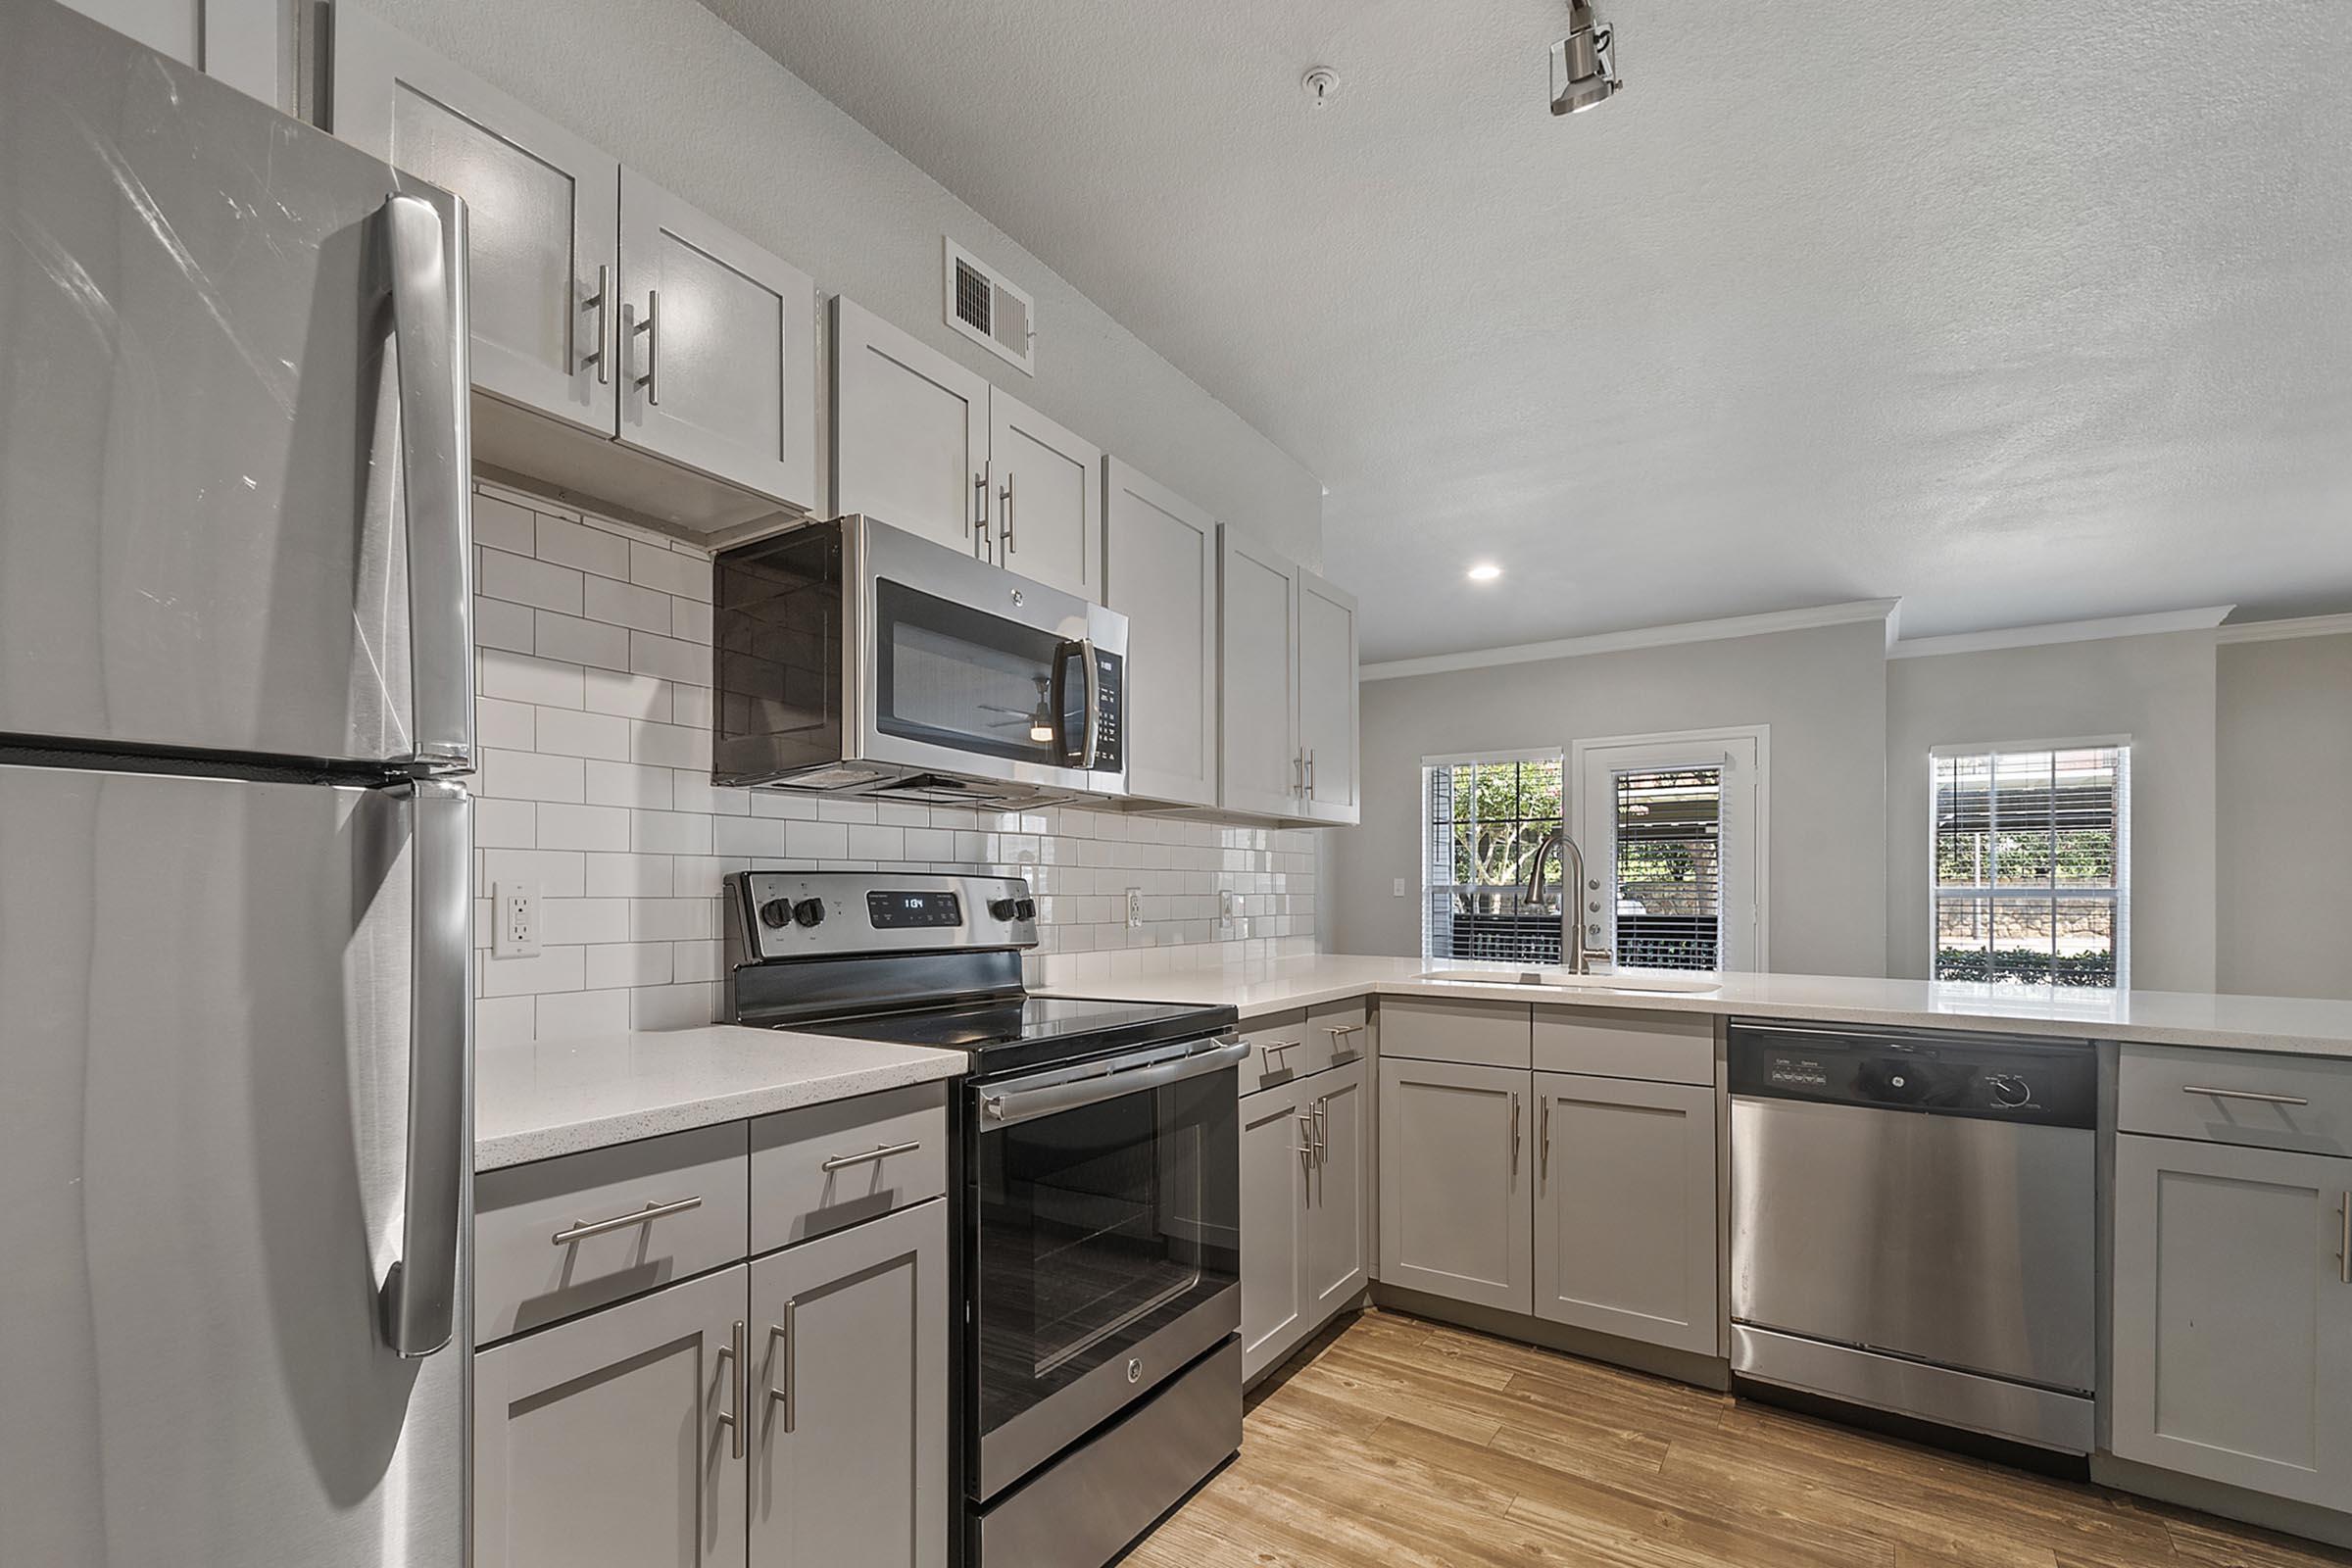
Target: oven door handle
1004,1109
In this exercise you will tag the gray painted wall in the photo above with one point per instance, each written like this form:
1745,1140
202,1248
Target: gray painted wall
1823,692
672,91
2282,835
2157,690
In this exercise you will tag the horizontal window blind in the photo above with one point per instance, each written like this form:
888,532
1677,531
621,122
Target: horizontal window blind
1485,823
1670,868
2030,865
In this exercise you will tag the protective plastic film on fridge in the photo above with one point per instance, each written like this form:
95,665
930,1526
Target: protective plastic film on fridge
236,884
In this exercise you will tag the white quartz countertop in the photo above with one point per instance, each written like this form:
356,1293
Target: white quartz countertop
2288,1025
557,1097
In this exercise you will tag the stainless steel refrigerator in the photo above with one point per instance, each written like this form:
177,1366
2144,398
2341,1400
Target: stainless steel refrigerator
234,863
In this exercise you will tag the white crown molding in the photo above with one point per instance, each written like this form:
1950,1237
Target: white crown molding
1615,642
2205,618
2271,631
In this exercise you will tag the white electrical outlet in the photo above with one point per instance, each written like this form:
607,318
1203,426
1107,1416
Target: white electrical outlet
514,921
1225,908
1400,887
1135,908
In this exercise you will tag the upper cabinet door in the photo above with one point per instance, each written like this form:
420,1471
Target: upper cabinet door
1048,498
236,41
718,364
909,433
1327,715
543,221
1160,572
1257,607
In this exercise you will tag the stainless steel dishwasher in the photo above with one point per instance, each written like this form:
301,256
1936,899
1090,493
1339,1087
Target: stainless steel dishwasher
1914,1224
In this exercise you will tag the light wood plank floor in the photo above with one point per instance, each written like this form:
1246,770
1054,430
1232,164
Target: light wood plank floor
1410,1445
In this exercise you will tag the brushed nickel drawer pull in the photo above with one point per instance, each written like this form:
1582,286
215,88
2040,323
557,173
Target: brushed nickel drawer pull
842,1162
581,1230
2244,1094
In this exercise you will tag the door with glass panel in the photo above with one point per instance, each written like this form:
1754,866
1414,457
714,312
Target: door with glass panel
1672,827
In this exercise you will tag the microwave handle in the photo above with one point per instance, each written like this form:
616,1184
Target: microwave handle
1083,754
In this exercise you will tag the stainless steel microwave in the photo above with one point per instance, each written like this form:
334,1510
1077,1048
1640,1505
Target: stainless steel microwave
855,657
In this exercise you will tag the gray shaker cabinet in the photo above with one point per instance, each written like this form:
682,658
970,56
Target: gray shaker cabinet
1327,702
1048,498
1262,765
1338,1196
848,1383
613,1441
242,42
2232,1331
1625,1210
1161,574
1457,1181
1277,1152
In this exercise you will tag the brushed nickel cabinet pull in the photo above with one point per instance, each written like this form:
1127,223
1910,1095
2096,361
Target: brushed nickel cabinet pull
581,1230
651,327
842,1162
979,515
602,300
1514,1132
1544,1142
2244,1094
1306,1139
1322,1131
784,1381
2343,1246
1011,544
730,1355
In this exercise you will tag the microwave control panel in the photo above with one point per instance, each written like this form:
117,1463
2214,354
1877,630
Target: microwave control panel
1110,748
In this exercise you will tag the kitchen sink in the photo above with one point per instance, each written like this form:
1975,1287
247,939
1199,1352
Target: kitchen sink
1565,980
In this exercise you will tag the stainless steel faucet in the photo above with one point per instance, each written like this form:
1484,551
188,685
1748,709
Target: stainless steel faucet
1572,952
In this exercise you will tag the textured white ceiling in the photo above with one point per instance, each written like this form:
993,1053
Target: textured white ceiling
2021,310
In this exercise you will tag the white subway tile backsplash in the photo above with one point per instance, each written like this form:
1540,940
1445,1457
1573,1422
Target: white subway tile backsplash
522,678
623,603
576,641
520,581
569,543
571,732
594,728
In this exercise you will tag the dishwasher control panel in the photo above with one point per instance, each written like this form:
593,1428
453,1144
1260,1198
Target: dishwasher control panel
2042,1083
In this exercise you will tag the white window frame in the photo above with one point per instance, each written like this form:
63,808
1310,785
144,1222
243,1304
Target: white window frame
1536,754
1688,748
2122,892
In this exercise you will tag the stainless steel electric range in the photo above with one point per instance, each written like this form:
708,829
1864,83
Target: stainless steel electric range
1097,1208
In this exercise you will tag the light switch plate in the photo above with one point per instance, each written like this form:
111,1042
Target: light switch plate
514,921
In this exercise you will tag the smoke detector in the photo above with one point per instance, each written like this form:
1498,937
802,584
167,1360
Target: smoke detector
1321,84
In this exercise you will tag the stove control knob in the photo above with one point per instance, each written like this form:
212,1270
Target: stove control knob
775,912
1027,909
2010,1090
808,911
1005,908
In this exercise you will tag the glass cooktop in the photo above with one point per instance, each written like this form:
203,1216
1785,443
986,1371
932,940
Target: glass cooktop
1010,1033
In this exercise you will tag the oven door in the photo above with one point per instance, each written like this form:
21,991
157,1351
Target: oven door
971,670
1107,1203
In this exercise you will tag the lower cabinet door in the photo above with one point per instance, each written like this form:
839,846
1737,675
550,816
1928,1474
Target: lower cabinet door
1338,1208
849,1415
2232,1331
1455,1181
613,1441
1625,1210
1276,1147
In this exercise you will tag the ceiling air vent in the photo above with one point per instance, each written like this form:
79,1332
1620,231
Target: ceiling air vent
986,309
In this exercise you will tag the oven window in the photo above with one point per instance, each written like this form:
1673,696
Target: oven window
1098,1226
951,675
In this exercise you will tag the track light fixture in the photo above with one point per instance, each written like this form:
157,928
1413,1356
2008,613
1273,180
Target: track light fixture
1584,64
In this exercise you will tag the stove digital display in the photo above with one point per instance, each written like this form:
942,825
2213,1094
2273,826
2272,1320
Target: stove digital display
910,912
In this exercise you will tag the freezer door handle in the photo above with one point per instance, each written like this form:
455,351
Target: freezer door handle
430,334
419,1294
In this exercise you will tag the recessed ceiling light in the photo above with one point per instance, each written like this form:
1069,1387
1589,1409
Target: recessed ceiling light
1485,571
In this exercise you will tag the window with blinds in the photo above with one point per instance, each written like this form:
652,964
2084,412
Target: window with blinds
1488,822
1669,870
2032,859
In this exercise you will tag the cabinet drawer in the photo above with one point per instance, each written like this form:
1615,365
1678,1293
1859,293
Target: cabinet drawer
1499,1034
532,1266
1342,1030
2233,1096
1666,1047
821,1167
1282,1051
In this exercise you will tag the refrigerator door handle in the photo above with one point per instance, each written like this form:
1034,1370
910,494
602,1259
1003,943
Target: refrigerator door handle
420,1293
430,334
